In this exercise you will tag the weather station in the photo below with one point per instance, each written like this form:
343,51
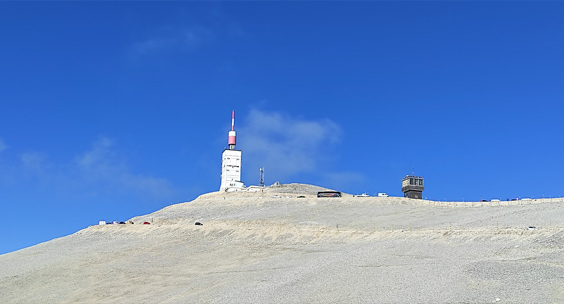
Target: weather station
231,163
412,186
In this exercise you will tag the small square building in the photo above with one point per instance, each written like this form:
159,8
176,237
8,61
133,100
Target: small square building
412,186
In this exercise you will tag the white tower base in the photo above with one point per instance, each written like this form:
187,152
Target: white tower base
231,171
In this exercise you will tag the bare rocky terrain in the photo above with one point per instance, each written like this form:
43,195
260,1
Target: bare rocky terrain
273,247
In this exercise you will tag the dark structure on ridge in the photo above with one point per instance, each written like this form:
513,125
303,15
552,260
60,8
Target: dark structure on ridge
412,186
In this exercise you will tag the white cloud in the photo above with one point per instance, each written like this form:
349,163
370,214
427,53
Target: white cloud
3,145
99,158
100,171
168,38
100,164
33,161
285,145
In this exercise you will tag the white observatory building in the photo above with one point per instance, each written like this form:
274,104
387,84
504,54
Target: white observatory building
231,163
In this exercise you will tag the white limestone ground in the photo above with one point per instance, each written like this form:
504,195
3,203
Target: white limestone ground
272,247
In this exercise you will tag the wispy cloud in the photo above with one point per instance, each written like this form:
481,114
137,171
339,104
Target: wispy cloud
3,145
168,38
285,145
99,171
101,165
33,161
99,159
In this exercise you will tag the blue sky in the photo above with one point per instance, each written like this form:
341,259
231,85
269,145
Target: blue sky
115,109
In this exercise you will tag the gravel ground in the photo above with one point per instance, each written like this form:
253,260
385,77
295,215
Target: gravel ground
273,247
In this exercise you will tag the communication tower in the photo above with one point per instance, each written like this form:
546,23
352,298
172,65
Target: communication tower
412,186
231,163
261,183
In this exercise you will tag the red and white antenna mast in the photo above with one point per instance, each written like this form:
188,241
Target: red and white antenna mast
232,134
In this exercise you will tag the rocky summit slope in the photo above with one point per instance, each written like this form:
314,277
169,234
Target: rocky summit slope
273,247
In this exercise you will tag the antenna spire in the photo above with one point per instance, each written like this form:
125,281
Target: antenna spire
233,120
232,134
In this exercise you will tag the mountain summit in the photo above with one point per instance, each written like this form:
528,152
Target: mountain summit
282,244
